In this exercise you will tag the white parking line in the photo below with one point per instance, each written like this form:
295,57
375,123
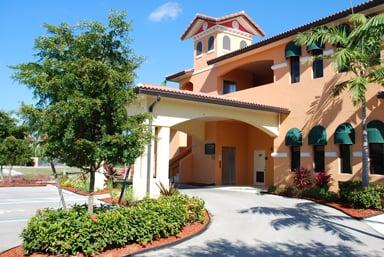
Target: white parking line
12,221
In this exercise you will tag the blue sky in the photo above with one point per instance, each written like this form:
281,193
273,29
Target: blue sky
158,25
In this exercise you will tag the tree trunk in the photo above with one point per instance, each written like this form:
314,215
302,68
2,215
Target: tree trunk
122,193
10,174
53,168
91,189
1,173
365,168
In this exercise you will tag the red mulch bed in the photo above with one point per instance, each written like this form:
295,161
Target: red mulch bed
345,208
78,191
187,232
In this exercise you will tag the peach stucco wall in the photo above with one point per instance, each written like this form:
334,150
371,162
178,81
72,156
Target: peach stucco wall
310,103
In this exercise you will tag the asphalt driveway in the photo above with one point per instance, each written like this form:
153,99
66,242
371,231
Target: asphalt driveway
18,204
246,224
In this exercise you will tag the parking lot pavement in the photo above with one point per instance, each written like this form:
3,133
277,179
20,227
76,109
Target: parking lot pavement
18,204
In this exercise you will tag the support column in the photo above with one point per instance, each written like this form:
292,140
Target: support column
139,181
162,162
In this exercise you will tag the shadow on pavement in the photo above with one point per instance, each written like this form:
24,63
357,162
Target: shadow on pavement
308,215
226,248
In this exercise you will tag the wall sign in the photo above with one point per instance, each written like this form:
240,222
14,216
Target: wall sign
210,149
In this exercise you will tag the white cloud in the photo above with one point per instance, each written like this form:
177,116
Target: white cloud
169,10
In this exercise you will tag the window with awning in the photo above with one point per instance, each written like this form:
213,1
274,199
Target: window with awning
344,134
292,50
376,146
293,137
317,136
376,132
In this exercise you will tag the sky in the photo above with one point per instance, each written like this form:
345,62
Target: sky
157,27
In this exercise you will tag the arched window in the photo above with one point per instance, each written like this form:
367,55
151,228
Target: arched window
293,139
243,44
211,43
199,48
345,137
226,43
376,146
293,52
318,138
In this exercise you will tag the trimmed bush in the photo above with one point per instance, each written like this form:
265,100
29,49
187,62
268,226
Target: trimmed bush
61,232
365,198
345,188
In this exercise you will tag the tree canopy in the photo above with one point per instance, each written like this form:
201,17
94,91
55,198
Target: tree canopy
82,77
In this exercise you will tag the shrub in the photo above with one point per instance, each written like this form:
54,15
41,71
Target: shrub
345,188
303,178
272,189
322,179
365,198
110,173
61,232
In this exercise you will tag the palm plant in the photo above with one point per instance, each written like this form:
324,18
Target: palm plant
357,45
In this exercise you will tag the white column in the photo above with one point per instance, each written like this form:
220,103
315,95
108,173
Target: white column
162,160
139,181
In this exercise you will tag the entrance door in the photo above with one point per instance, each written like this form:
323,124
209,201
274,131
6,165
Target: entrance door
259,166
229,166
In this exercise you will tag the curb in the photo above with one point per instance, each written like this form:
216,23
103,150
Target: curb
156,248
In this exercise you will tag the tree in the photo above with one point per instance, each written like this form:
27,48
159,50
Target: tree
82,79
357,47
14,148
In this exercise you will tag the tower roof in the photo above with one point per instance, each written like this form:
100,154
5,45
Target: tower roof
202,22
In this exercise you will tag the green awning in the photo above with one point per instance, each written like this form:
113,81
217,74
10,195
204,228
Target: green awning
375,131
293,137
344,134
291,50
315,46
317,136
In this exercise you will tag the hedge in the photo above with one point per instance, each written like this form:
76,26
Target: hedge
73,231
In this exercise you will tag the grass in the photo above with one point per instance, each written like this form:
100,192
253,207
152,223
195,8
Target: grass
33,172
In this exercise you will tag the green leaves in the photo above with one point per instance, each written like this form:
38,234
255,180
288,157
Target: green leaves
61,232
357,47
82,78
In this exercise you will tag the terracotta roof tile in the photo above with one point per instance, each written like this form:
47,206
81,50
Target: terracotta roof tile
302,28
150,89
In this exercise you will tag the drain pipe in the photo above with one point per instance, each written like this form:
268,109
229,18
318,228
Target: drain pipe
149,149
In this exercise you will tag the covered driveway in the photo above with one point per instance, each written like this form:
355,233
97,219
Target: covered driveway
245,223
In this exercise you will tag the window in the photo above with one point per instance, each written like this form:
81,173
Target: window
295,69
229,87
376,156
211,43
295,158
243,44
319,158
317,65
345,159
199,48
226,43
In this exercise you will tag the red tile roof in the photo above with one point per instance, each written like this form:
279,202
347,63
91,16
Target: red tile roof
305,27
164,91
221,19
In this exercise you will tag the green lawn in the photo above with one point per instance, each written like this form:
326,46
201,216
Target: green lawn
32,172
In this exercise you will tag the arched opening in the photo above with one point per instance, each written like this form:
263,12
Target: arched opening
199,48
187,86
248,76
222,151
211,43
226,43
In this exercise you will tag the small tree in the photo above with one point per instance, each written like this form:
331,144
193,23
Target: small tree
82,78
14,149
15,152
357,47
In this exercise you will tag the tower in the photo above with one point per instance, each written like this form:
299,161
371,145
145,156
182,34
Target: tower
214,37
